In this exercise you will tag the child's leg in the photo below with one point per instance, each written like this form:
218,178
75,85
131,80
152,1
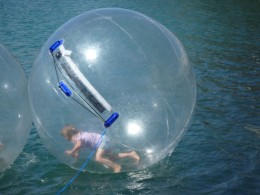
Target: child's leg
132,154
105,161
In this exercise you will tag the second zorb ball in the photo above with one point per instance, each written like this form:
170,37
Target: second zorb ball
110,61
15,112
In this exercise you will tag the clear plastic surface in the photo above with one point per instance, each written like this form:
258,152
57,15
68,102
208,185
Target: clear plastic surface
136,65
15,112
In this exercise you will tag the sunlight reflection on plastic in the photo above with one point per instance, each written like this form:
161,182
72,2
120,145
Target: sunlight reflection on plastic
115,60
92,53
133,128
15,115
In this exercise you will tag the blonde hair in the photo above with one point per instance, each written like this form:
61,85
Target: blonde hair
68,131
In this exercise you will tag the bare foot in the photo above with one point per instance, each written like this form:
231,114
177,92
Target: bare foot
135,156
117,169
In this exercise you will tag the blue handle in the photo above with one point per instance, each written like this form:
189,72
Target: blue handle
55,45
65,89
111,119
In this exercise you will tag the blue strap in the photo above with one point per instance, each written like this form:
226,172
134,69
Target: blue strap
85,164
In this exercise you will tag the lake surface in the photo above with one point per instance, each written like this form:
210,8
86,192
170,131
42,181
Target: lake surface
219,154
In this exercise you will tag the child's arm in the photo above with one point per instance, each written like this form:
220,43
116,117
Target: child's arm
75,150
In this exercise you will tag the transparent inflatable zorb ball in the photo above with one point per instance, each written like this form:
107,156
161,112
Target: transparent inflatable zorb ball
107,62
15,112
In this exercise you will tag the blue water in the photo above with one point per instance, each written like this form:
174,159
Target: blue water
219,154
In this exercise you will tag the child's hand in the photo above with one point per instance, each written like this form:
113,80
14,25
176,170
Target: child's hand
74,154
68,152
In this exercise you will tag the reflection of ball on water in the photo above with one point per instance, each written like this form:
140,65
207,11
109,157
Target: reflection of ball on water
110,60
15,113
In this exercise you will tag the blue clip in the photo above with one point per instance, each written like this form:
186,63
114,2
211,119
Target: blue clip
55,45
65,89
111,119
